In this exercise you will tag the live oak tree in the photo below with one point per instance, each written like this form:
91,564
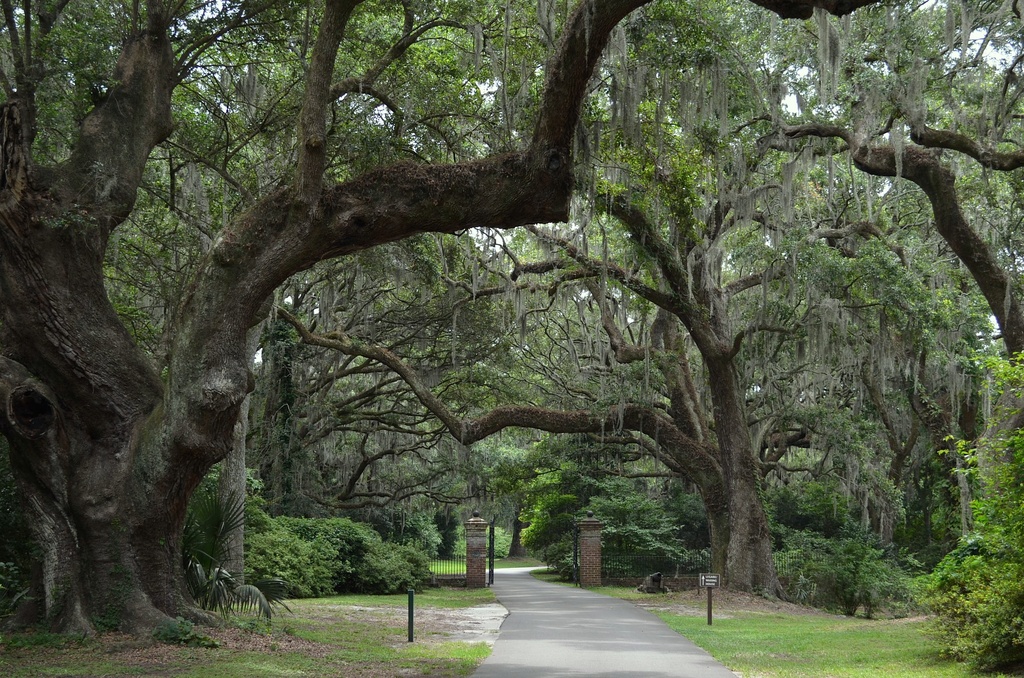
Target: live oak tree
941,115
108,442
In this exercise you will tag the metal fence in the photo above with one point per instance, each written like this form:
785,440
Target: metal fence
790,563
449,567
626,565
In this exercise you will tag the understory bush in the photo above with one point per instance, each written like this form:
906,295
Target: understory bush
978,600
977,590
393,568
182,632
308,566
347,541
846,573
324,556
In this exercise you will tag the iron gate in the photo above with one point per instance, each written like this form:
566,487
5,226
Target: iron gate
576,552
490,554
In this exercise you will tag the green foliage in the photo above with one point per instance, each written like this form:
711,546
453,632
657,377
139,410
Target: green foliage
977,591
393,568
348,541
309,567
408,526
817,506
502,542
632,522
551,519
182,632
209,522
978,599
847,572
324,556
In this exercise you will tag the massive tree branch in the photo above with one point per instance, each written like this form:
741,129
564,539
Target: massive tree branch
986,157
117,137
925,168
313,117
773,272
697,459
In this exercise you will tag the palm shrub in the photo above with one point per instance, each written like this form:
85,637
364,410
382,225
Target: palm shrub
208,523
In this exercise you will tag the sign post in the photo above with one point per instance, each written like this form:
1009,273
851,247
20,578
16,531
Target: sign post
710,582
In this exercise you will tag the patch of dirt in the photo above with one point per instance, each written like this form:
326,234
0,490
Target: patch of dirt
479,623
694,603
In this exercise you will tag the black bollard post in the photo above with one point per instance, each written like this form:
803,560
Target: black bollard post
412,598
709,605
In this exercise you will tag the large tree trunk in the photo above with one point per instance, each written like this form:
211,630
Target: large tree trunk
516,549
81,403
749,563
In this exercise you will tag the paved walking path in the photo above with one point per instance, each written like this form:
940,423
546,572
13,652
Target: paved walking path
554,631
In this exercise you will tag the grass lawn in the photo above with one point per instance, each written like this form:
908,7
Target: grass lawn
366,637
764,639
813,646
456,567
506,563
351,636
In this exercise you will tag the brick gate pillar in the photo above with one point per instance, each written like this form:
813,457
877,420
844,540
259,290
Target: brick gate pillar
590,551
476,552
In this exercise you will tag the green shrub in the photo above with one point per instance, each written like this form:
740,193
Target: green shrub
348,541
844,573
420,530
502,542
310,568
323,556
393,568
977,590
978,600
